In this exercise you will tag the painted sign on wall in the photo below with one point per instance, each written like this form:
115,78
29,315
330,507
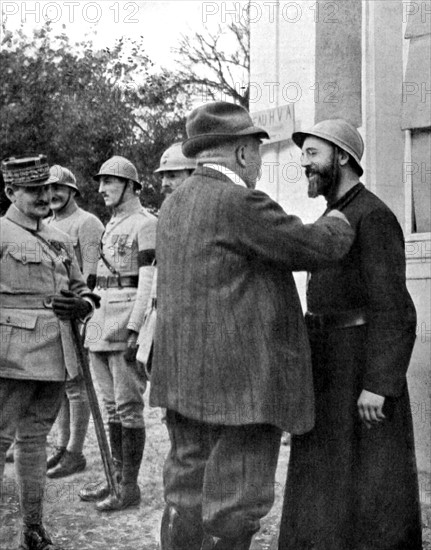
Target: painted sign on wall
279,122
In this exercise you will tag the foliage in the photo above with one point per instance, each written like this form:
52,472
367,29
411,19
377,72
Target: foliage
81,106
216,65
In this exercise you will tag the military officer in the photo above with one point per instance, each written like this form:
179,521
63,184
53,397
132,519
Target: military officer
174,168
41,289
124,274
85,230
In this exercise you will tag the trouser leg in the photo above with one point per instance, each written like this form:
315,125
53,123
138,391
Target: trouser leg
14,396
129,388
183,476
33,428
63,423
79,414
100,365
62,427
238,488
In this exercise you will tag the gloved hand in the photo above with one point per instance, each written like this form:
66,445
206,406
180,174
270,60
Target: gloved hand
69,305
132,347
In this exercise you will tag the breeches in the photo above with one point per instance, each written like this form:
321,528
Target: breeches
122,388
28,411
221,476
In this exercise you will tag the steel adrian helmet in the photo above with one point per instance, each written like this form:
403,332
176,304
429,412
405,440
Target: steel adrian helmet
339,132
29,171
173,159
65,177
119,167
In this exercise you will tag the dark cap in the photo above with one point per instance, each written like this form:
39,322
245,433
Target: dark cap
27,171
217,122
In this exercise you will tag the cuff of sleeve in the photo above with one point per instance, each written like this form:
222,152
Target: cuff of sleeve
384,386
90,313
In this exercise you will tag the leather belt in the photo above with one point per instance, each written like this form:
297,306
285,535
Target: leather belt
339,319
117,282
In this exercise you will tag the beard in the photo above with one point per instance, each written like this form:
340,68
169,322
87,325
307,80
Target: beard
319,182
323,180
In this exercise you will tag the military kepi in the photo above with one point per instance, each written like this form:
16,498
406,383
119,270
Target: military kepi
27,171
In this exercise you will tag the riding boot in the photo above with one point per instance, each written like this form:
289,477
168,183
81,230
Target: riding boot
130,494
100,490
35,537
178,533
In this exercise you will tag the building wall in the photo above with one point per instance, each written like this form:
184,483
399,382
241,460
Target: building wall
291,56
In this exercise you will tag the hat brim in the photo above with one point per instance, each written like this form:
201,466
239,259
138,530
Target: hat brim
179,169
298,139
193,145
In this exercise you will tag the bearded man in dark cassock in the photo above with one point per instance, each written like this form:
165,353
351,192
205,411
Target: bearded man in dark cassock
352,480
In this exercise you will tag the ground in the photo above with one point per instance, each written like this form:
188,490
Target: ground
77,525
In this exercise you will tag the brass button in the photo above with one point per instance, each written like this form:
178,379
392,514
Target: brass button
8,320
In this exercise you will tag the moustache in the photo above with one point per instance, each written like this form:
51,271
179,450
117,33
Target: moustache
310,172
42,203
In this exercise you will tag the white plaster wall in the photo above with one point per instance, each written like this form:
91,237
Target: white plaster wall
283,69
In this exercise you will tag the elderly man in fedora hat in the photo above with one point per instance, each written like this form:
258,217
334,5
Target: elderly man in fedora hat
231,359
352,482
42,289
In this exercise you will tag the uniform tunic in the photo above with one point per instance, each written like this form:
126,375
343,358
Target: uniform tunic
35,344
128,244
349,487
84,230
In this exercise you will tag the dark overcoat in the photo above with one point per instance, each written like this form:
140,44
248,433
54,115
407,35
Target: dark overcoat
349,487
231,346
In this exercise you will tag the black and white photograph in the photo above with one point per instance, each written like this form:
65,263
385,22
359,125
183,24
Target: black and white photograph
215,275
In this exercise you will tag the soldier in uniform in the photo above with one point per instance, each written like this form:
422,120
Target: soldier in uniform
174,168
42,289
352,480
124,272
85,231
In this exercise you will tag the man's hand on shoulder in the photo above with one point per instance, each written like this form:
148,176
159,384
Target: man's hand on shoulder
370,408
